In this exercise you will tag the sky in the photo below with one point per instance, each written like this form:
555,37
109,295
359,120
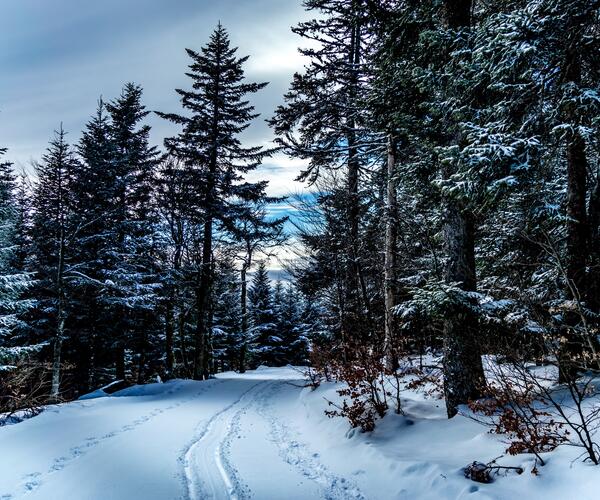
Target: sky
58,57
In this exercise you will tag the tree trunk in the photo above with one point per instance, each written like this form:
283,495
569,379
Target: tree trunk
91,380
578,249
391,235
244,308
55,389
60,327
577,227
120,361
182,341
202,296
463,369
594,244
357,300
57,350
142,357
169,331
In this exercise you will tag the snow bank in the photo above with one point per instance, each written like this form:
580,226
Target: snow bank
263,435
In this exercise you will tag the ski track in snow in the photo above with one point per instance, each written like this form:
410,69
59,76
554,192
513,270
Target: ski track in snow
299,456
207,468
32,481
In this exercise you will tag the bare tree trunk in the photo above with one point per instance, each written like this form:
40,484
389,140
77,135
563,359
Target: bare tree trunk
181,330
391,236
56,362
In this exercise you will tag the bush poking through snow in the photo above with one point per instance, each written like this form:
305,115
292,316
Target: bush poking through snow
23,391
364,396
370,387
478,472
537,415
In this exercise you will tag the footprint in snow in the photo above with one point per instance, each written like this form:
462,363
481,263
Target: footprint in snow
31,481
58,464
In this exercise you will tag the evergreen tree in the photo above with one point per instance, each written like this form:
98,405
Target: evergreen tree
117,271
14,281
265,342
131,270
323,120
290,327
54,228
210,147
225,337
255,232
176,211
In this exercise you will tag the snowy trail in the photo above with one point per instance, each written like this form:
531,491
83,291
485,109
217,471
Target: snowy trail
260,435
179,440
208,475
299,455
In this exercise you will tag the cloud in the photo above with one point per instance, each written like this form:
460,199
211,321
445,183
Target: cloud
58,57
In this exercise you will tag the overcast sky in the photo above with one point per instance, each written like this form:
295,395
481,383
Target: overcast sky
58,56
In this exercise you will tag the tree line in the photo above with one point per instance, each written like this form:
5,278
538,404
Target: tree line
452,151
453,146
122,262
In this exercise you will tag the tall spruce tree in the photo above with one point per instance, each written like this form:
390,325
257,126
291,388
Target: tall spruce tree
323,121
92,193
210,147
54,228
132,272
116,273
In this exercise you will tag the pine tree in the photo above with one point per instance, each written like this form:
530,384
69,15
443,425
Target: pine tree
294,333
265,340
225,336
14,280
323,121
116,271
256,233
54,228
210,147
176,211
131,271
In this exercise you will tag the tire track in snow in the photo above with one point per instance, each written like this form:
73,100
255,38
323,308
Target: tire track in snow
207,468
32,481
299,456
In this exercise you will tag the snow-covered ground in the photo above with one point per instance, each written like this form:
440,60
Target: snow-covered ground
261,435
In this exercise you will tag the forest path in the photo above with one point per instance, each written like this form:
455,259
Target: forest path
263,436
227,438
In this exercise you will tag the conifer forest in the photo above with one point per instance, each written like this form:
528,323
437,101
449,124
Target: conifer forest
412,313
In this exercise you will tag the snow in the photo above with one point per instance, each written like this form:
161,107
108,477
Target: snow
262,435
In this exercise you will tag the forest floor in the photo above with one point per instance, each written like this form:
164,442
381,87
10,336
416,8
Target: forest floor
262,435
